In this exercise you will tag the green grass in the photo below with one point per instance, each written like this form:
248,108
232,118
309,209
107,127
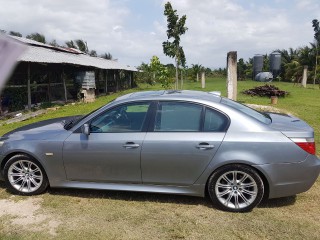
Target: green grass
91,214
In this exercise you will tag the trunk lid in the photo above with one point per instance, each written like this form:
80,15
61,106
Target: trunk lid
291,126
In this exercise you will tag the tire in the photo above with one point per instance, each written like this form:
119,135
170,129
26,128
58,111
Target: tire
235,188
25,176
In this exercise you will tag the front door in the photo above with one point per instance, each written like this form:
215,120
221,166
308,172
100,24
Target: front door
111,153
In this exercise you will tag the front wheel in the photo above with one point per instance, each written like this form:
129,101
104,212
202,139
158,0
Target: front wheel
235,188
25,176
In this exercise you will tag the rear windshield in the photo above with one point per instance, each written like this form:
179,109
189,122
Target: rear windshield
262,117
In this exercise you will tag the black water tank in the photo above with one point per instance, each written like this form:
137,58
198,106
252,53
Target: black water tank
257,64
275,63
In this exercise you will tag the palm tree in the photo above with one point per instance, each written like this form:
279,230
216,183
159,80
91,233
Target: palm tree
196,69
82,45
107,56
316,28
70,44
37,37
17,34
305,56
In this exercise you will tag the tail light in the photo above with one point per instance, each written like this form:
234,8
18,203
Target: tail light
306,144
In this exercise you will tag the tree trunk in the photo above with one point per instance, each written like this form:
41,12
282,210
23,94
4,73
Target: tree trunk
177,75
315,69
181,79
197,76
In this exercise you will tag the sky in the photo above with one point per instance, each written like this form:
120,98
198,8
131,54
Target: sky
133,30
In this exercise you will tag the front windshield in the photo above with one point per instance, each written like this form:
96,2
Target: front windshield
264,118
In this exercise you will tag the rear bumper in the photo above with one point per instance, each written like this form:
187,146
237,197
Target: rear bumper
287,179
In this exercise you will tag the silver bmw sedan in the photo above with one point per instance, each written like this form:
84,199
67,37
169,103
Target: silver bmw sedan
175,142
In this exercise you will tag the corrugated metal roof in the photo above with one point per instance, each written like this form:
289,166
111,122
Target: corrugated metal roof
44,53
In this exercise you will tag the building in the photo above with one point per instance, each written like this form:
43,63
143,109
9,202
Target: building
46,74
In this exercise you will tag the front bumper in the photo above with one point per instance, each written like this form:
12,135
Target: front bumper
287,179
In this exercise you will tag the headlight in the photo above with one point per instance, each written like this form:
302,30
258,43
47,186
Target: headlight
1,143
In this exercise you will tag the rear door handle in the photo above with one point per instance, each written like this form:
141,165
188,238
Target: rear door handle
205,146
130,145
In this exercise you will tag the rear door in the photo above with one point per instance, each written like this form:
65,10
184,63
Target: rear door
181,143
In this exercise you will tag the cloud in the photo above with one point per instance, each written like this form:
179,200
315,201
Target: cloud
132,32
219,26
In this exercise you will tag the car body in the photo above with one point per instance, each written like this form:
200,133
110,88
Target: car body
178,142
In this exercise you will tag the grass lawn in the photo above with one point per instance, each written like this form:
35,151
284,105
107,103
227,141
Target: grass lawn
91,214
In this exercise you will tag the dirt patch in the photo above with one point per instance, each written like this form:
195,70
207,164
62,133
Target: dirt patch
29,215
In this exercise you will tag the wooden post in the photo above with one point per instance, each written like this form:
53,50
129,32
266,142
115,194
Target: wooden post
116,79
29,87
130,79
203,80
105,81
49,86
64,87
304,76
232,75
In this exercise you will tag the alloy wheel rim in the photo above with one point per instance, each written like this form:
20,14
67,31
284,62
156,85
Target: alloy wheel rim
236,189
25,176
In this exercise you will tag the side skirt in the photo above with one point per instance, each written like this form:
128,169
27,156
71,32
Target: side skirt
193,190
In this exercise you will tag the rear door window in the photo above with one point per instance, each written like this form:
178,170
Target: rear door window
178,117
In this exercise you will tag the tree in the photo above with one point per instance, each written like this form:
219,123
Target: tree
82,45
155,66
144,74
54,43
37,37
70,44
316,28
293,71
176,28
17,34
93,53
159,72
196,69
107,56
241,68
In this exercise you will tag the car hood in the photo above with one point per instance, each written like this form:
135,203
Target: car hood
290,126
46,129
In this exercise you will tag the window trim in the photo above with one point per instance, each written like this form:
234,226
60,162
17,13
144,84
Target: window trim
222,113
202,117
145,123
152,123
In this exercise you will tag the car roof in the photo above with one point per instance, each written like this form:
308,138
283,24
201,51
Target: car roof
172,94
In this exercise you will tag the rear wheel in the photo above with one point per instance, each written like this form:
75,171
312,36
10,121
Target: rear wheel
236,188
25,176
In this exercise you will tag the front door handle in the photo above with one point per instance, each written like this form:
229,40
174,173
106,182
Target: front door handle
205,146
130,145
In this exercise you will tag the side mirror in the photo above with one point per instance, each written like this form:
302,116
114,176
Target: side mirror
85,129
